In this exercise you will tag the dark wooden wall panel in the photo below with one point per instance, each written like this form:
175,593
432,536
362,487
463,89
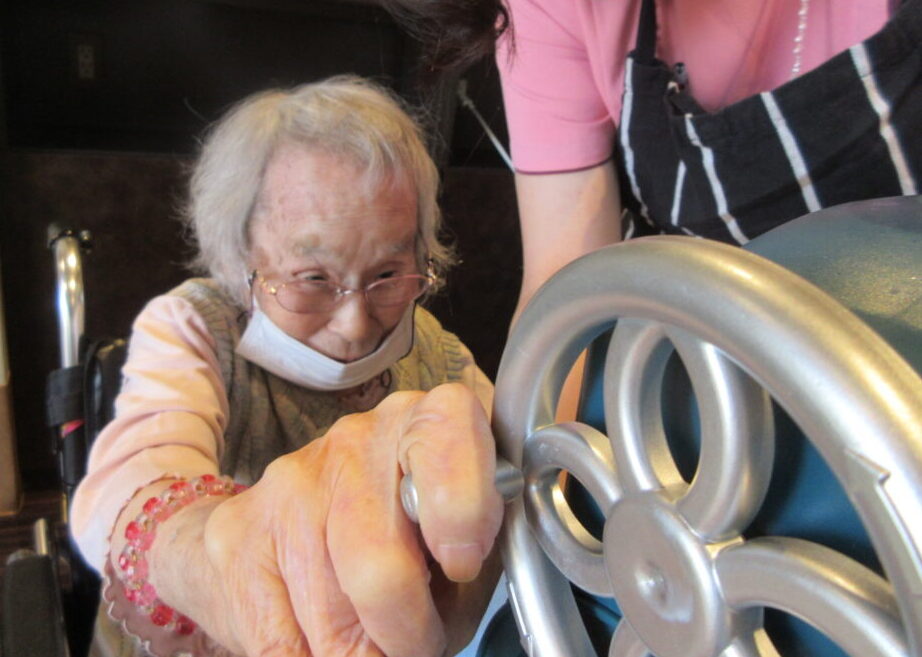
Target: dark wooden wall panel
481,218
127,201
166,68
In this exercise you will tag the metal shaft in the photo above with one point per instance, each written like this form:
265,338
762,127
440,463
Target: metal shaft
509,484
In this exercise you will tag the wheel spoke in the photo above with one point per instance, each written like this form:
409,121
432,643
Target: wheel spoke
541,598
737,442
626,643
844,600
751,645
634,366
586,454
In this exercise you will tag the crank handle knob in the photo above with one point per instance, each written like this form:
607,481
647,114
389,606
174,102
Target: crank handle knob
509,484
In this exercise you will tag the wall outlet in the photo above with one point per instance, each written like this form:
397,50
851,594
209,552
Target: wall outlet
86,57
86,61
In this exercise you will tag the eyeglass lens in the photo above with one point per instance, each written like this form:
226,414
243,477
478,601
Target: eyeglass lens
320,296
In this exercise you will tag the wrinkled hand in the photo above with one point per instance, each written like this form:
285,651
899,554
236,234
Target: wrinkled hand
319,558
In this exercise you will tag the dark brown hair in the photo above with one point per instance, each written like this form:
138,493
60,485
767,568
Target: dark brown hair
454,33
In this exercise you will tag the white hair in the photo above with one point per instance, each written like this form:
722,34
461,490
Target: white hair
342,115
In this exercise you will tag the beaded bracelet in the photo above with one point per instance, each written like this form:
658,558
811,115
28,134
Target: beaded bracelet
140,534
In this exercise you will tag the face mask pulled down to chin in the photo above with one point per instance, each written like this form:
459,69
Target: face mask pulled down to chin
265,344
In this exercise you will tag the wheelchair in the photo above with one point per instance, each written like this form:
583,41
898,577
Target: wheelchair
746,475
50,595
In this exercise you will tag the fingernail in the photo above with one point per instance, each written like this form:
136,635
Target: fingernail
460,551
461,561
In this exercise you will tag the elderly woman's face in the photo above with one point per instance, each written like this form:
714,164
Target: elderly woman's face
315,220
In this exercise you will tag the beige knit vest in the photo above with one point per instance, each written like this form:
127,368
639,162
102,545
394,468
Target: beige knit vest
270,416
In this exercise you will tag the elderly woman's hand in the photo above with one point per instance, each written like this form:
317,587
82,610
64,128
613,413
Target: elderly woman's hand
319,558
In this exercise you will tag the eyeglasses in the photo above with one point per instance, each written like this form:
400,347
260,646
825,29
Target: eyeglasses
308,296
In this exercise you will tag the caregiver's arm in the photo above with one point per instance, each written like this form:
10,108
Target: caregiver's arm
564,216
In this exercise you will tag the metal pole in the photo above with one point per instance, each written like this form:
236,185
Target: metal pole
68,292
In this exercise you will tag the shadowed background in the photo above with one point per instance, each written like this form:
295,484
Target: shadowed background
102,105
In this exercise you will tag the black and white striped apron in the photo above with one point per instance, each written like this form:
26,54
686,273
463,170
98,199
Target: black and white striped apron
848,130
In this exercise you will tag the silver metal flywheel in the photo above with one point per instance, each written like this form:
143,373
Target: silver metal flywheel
673,553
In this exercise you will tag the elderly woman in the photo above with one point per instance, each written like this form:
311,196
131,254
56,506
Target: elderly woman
303,369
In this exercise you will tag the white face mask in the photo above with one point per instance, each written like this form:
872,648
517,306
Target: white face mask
265,344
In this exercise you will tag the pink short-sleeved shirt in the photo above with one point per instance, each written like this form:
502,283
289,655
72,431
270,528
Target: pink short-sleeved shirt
562,80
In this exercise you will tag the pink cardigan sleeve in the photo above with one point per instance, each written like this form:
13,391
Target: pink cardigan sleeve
170,419
171,415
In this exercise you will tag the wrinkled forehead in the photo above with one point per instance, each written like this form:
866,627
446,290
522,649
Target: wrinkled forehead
371,165
312,202
303,174
315,243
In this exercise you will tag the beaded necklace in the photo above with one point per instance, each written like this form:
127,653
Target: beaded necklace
799,37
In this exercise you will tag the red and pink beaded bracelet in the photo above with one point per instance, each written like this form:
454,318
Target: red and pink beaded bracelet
140,534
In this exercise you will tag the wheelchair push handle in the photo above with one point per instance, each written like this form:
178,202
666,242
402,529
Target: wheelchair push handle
509,484
68,246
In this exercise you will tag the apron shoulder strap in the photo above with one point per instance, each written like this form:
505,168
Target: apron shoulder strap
645,49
